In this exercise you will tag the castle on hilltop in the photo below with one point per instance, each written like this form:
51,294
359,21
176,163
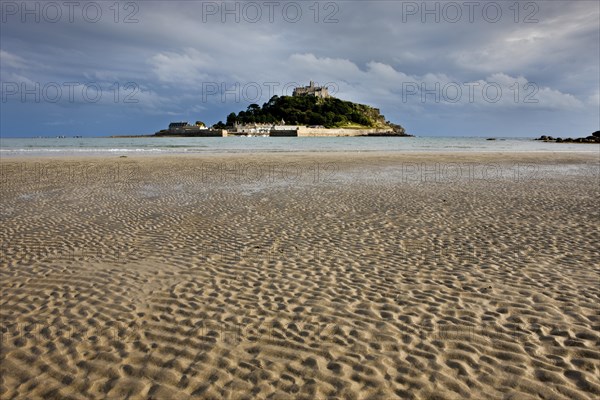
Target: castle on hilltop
311,90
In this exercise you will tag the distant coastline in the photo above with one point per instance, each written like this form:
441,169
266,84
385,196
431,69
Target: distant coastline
129,136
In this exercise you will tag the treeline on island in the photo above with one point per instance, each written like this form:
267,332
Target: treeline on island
311,111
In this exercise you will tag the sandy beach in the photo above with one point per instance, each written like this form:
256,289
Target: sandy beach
301,276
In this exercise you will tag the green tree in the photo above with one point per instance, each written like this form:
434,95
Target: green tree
253,109
231,119
316,119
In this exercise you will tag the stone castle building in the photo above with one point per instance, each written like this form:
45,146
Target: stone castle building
311,90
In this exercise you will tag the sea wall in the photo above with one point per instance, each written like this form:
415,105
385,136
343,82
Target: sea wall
305,131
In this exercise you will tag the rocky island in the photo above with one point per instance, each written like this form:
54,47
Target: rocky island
593,138
310,111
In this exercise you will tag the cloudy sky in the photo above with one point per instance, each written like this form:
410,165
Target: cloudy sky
437,68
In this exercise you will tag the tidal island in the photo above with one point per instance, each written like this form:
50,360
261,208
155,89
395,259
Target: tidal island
310,111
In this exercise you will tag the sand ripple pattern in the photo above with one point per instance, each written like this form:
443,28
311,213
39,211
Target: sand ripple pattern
164,286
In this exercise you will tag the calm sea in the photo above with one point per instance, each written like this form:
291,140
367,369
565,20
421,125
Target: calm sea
10,147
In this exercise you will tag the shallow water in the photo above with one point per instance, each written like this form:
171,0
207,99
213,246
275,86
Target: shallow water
150,145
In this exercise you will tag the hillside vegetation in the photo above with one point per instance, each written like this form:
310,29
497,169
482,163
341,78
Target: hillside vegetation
308,110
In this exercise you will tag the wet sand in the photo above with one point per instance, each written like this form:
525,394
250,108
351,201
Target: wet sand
304,275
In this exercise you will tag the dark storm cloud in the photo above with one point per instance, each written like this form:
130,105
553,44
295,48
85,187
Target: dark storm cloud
378,52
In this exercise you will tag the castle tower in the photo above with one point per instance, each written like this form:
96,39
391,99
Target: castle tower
311,90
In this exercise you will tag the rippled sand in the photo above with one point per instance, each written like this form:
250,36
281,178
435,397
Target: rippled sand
311,276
